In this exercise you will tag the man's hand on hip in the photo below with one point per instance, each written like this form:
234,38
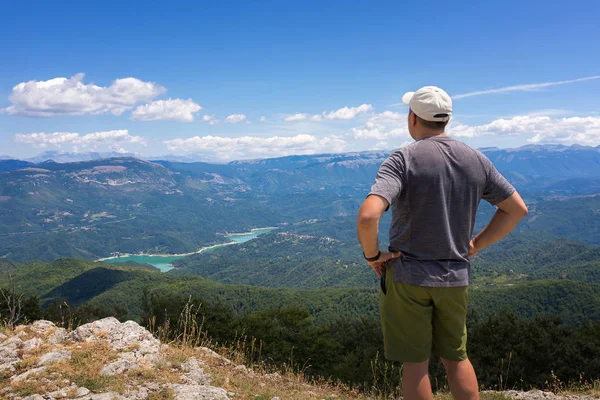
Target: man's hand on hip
379,265
473,250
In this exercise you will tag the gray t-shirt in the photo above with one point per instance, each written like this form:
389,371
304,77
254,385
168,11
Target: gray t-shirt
434,186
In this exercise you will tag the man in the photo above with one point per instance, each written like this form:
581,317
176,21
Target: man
433,186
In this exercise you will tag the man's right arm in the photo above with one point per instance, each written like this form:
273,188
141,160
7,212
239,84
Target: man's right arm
508,215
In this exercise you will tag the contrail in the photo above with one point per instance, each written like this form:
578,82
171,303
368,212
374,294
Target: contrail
523,88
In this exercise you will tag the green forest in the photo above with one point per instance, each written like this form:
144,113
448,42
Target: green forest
507,351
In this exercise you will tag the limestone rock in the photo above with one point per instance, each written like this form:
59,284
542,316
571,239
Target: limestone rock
539,395
9,346
105,396
120,336
137,348
117,367
8,365
198,392
42,327
80,392
34,397
26,374
210,353
72,392
193,373
143,357
32,344
9,353
54,357
91,330
59,336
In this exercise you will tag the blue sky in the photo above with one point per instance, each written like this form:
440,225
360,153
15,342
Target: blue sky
196,78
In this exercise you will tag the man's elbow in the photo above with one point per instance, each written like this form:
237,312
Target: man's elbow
524,211
514,206
366,218
520,212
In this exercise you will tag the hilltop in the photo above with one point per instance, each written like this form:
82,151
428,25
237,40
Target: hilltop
110,360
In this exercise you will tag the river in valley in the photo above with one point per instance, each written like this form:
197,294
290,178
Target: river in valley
163,261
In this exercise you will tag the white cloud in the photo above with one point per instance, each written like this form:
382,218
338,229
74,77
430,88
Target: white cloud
528,87
168,110
541,129
296,117
263,119
58,139
383,126
244,147
210,119
62,96
343,113
235,118
390,116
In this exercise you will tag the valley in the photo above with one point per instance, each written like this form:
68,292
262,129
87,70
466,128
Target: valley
135,213
164,261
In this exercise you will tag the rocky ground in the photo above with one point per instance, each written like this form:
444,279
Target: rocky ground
102,360
539,395
107,360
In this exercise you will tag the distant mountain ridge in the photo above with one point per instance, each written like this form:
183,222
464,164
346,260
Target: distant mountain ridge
66,157
63,157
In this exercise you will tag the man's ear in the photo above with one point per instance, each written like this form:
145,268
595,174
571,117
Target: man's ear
412,118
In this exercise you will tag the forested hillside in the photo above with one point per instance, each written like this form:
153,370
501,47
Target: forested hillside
542,327
120,289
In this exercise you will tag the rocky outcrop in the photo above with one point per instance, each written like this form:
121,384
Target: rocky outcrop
540,395
108,360
116,360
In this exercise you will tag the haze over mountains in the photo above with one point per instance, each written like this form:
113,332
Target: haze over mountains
66,157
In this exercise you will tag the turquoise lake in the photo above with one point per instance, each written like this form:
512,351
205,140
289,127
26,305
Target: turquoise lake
163,261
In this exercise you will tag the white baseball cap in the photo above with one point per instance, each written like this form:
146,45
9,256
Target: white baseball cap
430,103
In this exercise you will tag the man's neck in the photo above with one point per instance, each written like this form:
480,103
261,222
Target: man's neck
429,135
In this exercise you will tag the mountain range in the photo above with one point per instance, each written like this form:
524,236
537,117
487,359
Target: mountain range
90,209
66,157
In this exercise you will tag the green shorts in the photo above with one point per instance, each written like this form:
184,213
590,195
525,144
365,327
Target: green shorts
417,321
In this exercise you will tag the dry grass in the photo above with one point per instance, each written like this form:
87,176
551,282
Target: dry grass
29,387
85,365
25,364
84,369
5,329
225,365
165,394
582,388
482,396
262,381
